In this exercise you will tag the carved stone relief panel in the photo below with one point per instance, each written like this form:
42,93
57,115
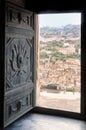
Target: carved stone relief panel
19,62
18,105
19,18
14,108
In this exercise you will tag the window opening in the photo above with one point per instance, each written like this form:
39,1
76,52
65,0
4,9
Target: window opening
59,73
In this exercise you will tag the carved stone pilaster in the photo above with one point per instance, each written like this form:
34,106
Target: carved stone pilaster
19,62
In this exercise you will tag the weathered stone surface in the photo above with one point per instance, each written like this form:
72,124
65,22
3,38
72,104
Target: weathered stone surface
19,63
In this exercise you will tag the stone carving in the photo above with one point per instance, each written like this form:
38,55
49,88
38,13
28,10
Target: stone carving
19,61
19,84
18,106
16,17
17,2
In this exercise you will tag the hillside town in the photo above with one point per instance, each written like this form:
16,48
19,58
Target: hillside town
60,61
59,64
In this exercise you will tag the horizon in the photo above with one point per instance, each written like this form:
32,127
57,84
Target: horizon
47,26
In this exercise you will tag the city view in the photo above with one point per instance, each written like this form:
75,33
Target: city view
59,67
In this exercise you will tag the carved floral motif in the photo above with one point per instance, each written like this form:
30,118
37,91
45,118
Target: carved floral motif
19,62
17,59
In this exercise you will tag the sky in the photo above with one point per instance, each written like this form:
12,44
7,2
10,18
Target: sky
60,19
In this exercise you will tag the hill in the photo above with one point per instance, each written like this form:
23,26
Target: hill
72,31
